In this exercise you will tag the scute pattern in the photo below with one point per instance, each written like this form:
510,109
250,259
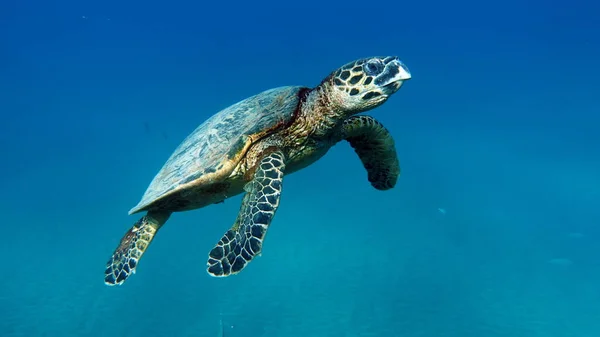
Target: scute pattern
352,75
214,141
244,240
126,257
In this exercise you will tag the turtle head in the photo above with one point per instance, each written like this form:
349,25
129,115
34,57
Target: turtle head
366,83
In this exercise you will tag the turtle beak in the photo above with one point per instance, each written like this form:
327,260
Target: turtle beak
403,72
396,71
393,75
392,78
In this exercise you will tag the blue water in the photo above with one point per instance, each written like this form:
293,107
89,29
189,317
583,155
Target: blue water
492,230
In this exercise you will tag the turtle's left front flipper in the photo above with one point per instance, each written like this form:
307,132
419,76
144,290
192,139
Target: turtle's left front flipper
375,148
244,240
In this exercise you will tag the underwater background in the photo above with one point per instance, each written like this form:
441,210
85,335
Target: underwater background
492,230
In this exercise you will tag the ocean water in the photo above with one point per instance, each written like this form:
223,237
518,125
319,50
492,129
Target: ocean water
492,230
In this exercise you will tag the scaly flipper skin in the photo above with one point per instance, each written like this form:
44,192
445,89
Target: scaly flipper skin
134,243
244,240
375,148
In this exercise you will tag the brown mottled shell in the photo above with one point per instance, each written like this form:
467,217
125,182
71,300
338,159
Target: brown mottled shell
212,151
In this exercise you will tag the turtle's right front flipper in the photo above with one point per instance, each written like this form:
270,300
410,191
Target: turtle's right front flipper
375,148
134,243
244,240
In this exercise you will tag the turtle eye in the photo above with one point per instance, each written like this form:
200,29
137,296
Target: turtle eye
373,67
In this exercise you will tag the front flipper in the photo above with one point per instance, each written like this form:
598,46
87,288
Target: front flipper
375,148
244,240
134,243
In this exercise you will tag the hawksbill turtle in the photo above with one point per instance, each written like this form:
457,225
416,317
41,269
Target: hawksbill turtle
249,147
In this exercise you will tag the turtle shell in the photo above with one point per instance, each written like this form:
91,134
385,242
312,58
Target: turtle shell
213,150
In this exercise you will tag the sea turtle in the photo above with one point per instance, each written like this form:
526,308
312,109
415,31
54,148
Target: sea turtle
250,146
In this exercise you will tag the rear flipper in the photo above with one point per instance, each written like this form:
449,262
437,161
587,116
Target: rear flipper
244,240
134,243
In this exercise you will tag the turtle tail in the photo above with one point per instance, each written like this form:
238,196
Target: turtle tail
134,243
